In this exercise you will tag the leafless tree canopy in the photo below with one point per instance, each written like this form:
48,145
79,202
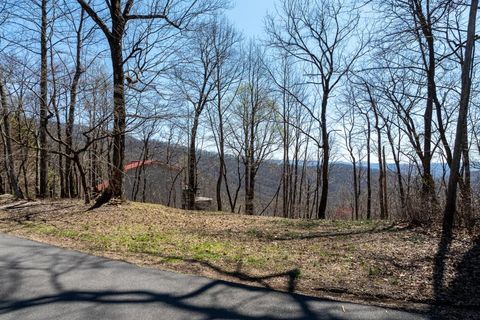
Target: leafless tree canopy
344,109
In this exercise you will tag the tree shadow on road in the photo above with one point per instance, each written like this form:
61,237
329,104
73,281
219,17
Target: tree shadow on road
15,274
201,298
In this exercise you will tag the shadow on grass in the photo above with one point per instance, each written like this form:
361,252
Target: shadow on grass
463,292
42,282
31,211
314,235
290,276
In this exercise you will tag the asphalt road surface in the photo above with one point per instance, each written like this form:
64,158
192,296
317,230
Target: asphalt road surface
39,281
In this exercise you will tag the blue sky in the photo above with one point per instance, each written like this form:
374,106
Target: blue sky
248,15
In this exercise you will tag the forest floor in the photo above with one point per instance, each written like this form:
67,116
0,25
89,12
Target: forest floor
376,262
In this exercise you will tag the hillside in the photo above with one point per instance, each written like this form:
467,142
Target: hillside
267,181
361,261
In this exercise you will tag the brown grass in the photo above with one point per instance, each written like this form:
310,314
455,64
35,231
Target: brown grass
374,261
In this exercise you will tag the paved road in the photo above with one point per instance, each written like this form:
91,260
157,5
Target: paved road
39,281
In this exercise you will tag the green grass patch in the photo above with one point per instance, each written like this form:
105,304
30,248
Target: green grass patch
255,233
375,271
208,250
50,230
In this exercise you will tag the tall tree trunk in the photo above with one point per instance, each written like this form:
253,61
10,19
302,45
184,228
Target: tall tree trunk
303,177
428,183
396,159
54,102
451,204
355,187
385,186
42,130
115,41
381,173
322,208
24,149
221,141
218,188
369,171
249,189
119,112
450,207
465,184
192,164
93,165
6,136
286,156
318,179
83,178
233,196
249,166
294,183
71,109
359,182
144,186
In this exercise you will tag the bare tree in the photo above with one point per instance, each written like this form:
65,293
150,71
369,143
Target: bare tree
177,14
296,134
318,33
382,197
42,129
197,78
460,138
227,78
252,129
69,126
6,128
418,41
7,141
460,141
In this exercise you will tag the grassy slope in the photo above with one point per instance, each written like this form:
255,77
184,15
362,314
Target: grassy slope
359,260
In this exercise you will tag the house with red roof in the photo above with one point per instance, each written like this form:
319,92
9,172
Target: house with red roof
151,181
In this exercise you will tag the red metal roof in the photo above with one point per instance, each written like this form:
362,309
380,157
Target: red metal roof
135,164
